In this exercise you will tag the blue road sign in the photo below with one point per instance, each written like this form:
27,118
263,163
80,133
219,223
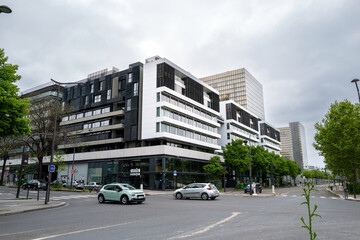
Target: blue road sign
51,168
174,172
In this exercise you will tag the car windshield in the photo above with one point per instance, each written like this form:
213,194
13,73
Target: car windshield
127,186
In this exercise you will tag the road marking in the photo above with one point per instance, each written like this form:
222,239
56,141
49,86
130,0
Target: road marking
234,214
322,197
334,198
294,195
80,231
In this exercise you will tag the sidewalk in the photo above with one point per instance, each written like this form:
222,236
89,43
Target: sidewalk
15,206
339,191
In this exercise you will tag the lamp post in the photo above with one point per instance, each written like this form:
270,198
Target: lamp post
47,196
251,187
5,9
356,81
356,175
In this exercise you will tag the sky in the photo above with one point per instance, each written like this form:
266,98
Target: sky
304,53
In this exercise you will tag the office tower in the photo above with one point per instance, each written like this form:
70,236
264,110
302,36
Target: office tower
240,86
297,145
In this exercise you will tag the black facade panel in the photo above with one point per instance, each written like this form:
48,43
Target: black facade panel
230,111
215,101
165,76
245,116
194,90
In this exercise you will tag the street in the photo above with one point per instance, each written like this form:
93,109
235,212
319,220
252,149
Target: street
231,216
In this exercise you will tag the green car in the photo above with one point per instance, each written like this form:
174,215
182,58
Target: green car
120,192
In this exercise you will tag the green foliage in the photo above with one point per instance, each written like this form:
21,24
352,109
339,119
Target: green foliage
307,191
59,162
236,156
214,167
337,137
13,109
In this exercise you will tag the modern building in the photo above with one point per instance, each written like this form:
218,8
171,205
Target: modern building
286,143
155,117
240,86
239,123
294,143
269,137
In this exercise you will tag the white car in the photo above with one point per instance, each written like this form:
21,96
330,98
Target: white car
197,190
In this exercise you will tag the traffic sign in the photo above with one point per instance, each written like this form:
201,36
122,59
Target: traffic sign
51,168
175,173
72,171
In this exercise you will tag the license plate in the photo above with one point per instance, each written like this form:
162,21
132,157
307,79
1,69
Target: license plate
140,196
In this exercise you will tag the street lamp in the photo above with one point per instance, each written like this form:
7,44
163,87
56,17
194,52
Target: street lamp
47,196
5,9
357,88
245,142
355,81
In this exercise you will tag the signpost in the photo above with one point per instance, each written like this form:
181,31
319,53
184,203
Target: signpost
51,168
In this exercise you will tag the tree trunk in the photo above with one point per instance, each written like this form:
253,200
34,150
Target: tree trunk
3,171
40,168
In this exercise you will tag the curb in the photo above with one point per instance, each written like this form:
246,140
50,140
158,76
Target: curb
61,204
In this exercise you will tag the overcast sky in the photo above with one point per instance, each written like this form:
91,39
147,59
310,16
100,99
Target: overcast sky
305,53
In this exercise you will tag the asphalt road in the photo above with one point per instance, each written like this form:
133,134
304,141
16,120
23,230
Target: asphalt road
160,217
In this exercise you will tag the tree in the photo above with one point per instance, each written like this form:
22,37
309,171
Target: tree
42,114
337,138
236,156
307,174
214,167
294,169
59,162
13,111
6,144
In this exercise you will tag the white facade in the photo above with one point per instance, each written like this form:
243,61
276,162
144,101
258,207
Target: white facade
168,114
233,129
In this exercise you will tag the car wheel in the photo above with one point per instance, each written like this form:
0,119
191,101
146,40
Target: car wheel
179,196
124,199
213,198
204,196
101,199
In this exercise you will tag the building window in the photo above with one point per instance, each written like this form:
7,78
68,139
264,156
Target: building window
130,77
228,126
101,85
105,123
158,111
97,98
157,127
88,114
136,89
64,119
92,88
105,110
86,100
97,112
228,135
158,97
72,117
128,104
164,127
80,115
108,94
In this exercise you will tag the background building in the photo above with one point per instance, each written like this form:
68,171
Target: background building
240,86
293,143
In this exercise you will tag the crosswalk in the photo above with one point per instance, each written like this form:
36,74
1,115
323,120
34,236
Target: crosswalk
67,197
297,196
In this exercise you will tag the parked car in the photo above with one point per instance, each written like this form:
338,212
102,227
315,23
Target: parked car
121,192
55,182
75,185
93,186
257,186
197,190
35,184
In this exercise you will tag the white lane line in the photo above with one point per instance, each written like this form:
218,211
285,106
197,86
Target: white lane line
294,195
322,197
234,214
334,198
80,231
